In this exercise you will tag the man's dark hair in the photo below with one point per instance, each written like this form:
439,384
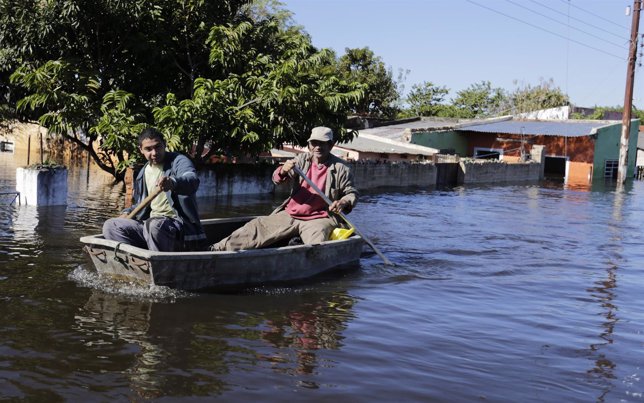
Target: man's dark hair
150,133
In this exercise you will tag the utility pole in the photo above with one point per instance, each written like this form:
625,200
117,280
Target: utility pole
628,95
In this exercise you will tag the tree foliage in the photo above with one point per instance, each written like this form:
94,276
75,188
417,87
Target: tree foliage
212,75
361,65
526,98
277,88
427,99
73,60
479,100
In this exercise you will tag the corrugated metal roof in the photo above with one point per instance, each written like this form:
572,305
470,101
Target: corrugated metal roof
539,127
282,153
396,131
375,144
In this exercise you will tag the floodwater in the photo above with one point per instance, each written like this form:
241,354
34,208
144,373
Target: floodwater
522,293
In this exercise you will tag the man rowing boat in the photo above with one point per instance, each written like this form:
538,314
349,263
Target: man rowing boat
171,221
305,213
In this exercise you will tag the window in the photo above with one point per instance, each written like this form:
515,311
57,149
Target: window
610,169
487,153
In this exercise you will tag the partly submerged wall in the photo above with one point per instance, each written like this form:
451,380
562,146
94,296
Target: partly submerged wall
42,186
244,179
235,179
238,179
373,175
493,171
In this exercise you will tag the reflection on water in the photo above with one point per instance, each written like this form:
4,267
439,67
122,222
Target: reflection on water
604,293
305,329
290,331
105,318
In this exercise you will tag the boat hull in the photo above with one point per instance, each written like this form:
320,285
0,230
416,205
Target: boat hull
220,270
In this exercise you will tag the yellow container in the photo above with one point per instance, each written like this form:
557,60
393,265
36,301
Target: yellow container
341,233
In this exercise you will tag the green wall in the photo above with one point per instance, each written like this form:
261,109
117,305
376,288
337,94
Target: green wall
607,147
442,140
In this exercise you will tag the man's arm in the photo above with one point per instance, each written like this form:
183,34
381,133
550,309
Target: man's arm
346,192
184,180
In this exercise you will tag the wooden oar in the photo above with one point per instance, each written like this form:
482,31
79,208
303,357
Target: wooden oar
144,203
329,202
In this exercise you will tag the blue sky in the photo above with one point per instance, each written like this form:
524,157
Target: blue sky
581,44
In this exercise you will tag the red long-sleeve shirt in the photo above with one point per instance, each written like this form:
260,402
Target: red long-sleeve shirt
306,204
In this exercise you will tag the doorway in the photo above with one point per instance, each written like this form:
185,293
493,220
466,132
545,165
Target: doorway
555,167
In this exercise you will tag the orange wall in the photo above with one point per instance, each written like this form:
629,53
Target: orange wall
578,149
579,172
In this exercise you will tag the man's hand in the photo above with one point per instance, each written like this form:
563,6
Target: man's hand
338,205
287,167
165,183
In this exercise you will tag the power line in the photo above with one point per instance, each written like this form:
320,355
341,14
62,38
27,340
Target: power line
594,15
599,88
543,29
580,20
566,25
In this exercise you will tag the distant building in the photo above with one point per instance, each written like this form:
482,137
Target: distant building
576,150
367,147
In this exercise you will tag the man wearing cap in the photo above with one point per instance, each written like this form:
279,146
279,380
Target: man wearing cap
304,213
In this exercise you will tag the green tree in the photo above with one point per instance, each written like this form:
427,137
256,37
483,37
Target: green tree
362,66
427,99
73,58
479,100
260,10
277,88
607,113
526,98
208,73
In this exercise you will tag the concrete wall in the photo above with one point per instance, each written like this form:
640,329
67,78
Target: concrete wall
490,171
233,180
538,155
559,113
238,179
42,187
371,175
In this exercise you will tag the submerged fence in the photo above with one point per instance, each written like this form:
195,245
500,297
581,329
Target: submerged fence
9,197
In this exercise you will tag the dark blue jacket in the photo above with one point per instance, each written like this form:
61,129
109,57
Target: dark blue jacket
182,197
